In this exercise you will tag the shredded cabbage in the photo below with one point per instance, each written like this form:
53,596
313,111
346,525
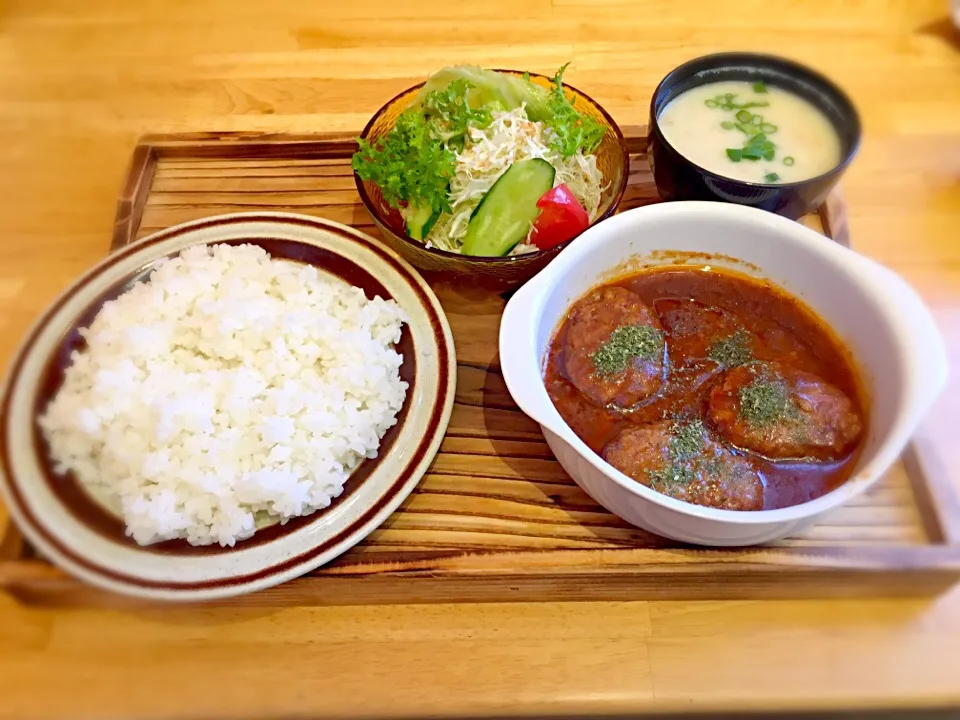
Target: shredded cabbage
487,154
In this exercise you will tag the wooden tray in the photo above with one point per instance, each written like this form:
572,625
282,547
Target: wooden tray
496,518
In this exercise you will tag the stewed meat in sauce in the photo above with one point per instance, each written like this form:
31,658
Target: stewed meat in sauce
694,329
682,461
614,348
709,386
781,412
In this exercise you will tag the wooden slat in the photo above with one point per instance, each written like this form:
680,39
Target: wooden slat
496,517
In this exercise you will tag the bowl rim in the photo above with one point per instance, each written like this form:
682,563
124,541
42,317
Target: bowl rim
723,59
529,302
509,259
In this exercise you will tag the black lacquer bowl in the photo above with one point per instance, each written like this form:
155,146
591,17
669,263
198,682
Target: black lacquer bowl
678,178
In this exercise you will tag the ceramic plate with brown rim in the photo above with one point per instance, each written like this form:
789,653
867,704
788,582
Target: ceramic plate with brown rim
78,532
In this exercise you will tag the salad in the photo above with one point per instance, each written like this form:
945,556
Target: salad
488,164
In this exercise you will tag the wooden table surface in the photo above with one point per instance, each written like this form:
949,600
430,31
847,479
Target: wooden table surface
79,82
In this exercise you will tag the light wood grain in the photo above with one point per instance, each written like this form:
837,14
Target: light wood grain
79,82
496,518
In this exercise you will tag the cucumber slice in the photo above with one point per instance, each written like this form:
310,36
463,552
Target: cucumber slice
420,220
503,217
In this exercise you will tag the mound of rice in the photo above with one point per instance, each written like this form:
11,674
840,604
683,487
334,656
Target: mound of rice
227,385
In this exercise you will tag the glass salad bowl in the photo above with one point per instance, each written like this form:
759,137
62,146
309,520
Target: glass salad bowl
505,272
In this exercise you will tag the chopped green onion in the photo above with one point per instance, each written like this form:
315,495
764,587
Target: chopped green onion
768,127
758,139
752,105
757,120
759,87
788,160
727,125
727,106
729,96
769,153
744,116
734,154
752,153
771,177
710,103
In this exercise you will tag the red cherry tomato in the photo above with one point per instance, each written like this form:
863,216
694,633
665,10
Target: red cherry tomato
561,218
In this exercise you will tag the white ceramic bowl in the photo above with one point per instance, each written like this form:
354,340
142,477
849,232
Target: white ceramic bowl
882,320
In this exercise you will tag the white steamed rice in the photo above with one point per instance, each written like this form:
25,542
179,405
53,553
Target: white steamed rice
227,386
